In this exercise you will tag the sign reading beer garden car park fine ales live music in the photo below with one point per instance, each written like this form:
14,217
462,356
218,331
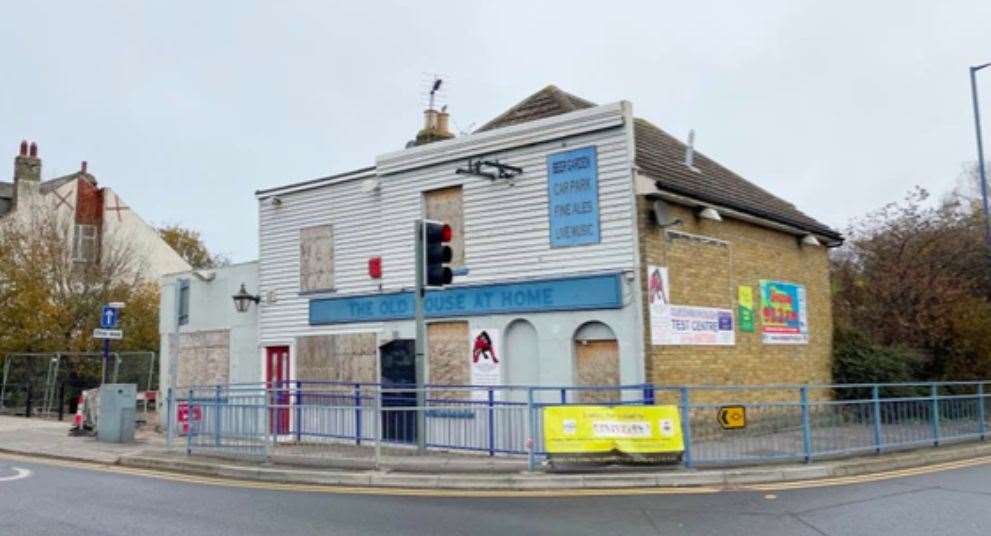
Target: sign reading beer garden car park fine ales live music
573,195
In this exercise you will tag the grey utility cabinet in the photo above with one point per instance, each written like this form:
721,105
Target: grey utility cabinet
117,412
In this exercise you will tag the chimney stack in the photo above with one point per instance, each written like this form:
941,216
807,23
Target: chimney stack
435,124
27,171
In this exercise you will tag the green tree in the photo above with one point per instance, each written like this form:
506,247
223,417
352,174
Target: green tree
189,245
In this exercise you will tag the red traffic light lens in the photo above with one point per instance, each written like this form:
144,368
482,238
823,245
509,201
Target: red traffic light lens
446,234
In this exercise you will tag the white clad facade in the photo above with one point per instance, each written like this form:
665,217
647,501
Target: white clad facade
506,233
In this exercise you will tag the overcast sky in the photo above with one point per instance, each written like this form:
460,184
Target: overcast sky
186,108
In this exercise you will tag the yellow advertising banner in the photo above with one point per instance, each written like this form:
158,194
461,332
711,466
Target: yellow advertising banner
603,429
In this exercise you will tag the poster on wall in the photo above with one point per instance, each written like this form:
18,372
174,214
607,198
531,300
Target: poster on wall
683,324
687,325
485,361
783,313
745,308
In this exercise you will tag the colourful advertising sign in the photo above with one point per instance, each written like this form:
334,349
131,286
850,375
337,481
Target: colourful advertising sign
783,313
604,429
573,195
745,308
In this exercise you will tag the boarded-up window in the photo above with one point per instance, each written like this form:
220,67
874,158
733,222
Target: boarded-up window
339,358
316,258
596,362
446,205
449,353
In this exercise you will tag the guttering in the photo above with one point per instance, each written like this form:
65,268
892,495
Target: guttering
316,183
736,214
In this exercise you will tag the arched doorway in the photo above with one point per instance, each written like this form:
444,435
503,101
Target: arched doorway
522,354
596,362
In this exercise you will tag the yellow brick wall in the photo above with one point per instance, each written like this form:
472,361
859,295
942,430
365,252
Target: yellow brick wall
707,274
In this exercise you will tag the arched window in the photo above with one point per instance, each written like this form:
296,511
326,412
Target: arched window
596,362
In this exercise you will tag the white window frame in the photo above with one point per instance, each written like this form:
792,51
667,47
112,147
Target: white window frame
84,233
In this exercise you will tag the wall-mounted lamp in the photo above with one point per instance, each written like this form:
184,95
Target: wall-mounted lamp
709,213
242,300
809,240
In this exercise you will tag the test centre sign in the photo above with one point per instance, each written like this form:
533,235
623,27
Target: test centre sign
567,294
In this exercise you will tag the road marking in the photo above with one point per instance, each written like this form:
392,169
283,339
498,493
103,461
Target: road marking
19,474
453,493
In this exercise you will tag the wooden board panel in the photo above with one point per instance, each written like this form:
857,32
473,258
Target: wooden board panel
343,358
449,350
597,363
446,205
316,257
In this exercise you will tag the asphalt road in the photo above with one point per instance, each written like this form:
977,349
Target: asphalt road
58,500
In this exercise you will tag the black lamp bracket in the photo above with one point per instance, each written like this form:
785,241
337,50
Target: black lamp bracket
490,169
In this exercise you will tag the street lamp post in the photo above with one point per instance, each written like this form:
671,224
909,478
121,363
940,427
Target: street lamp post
980,151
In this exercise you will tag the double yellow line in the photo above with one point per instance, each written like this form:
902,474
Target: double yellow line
453,493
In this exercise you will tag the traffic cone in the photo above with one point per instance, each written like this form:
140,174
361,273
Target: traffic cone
77,420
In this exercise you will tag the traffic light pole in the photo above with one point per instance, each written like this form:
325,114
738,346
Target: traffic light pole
421,337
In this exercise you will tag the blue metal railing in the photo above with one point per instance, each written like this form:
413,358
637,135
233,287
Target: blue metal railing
784,422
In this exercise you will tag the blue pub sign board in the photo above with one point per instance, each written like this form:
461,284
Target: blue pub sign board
565,294
573,195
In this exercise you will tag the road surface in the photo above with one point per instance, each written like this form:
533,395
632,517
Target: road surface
55,498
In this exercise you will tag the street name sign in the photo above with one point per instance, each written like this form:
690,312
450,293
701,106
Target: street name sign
115,334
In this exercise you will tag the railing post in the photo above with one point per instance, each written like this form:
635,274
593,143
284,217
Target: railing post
357,414
190,420
876,399
531,461
648,394
981,424
169,418
806,425
934,394
564,396
216,415
378,427
491,422
686,426
299,411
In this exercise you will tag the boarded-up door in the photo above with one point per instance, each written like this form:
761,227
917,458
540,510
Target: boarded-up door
597,364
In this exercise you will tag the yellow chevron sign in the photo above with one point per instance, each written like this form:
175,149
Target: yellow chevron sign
732,417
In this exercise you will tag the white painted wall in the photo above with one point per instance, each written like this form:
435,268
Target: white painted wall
211,307
155,257
506,226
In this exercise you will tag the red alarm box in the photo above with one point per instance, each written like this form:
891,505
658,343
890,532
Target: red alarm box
375,267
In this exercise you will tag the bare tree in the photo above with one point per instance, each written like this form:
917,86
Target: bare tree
51,294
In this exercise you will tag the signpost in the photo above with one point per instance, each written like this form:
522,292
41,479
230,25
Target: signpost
109,317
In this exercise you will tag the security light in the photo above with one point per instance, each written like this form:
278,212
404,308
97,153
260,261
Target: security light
709,213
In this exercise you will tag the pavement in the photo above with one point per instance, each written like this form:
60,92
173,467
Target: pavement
58,498
344,465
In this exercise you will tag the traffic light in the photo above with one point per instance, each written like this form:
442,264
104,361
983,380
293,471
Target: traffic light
436,253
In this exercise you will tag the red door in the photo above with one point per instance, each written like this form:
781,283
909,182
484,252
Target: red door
277,381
